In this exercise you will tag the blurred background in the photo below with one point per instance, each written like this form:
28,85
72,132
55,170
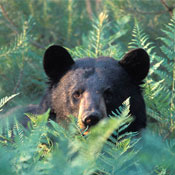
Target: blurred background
28,27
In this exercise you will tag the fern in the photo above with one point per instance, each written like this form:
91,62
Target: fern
98,35
159,91
21,41
169,50
4,100
102,40
47,149
94,43
167,74
141,40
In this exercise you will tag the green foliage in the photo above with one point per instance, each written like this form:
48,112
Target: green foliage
159,86
98,42
162,94
100,28
28,27
16,63
4,100
47,148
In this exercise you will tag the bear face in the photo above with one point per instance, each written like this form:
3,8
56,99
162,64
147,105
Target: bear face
90,89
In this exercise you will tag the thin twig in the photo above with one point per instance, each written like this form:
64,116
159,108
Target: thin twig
136,11
170,9
88,8
4,13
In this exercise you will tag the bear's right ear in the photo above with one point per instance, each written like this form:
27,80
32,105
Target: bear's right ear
56,61
136,62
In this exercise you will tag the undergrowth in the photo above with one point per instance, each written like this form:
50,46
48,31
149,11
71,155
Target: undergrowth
47,148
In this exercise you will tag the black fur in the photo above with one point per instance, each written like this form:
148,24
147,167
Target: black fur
103,79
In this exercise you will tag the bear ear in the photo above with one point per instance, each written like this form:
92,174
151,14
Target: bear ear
56,61
136,62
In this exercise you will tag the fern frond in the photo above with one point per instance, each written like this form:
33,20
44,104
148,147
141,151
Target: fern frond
20,42
99,42
18,130
97,34
4,100
141,40
169,50
159,93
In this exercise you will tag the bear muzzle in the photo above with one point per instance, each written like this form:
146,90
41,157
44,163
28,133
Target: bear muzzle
88,120
92,109
91,119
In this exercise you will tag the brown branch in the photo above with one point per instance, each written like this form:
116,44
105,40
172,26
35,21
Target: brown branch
144,12
88,8
169,9
12,25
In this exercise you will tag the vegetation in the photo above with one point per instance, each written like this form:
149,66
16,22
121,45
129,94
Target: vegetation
86,28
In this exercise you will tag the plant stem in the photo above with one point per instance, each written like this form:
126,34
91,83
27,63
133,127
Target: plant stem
102,18
172,87
69,28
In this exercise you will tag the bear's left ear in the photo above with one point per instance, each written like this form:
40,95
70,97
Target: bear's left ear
136,62
56,61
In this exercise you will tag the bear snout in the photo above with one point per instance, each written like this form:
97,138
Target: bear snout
91,119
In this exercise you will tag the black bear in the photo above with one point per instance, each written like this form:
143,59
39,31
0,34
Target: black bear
90,89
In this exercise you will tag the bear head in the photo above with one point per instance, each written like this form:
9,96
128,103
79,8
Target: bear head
91,88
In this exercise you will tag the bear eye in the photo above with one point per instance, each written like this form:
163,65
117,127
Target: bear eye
107,94
77,94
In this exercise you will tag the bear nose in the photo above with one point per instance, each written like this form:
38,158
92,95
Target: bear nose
91,119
